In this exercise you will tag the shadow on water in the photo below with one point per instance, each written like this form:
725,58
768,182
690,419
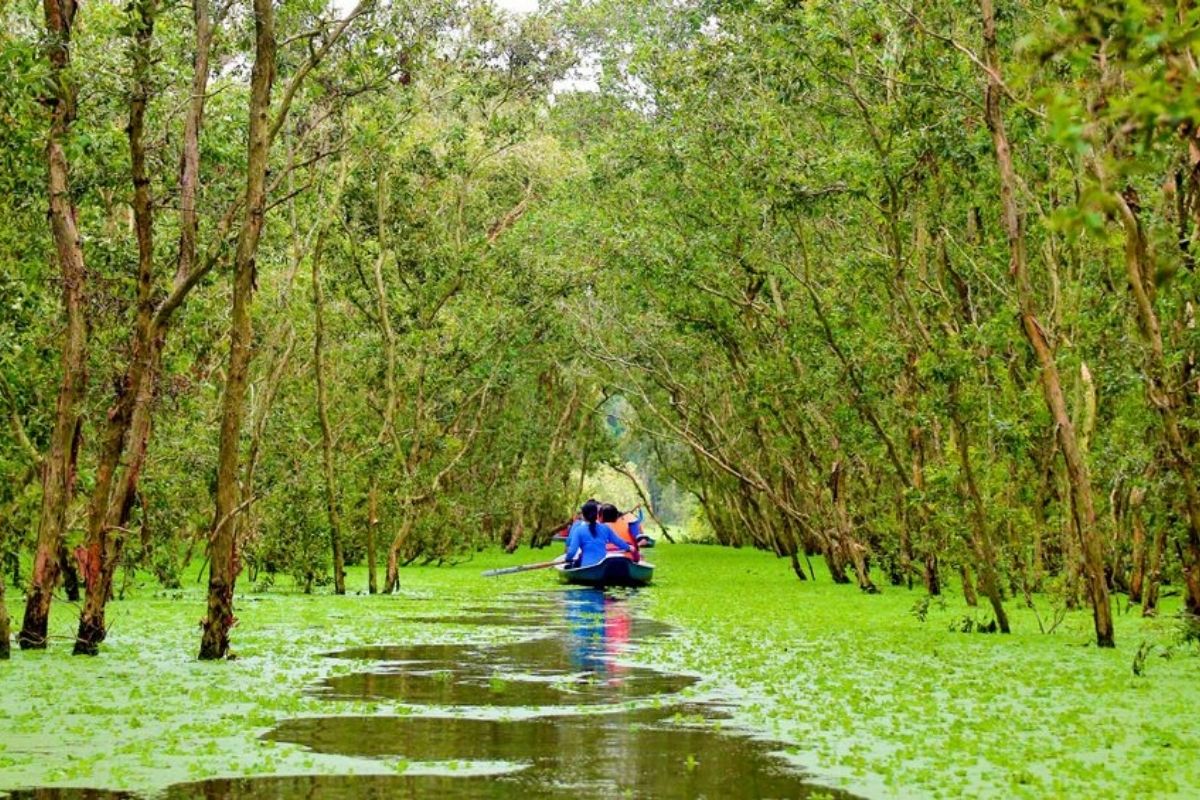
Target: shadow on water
561,714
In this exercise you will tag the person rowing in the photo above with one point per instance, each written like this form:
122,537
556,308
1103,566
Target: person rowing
588,541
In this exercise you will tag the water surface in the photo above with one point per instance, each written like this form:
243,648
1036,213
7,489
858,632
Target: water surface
562,711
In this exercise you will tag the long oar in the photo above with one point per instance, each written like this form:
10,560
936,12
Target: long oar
523,568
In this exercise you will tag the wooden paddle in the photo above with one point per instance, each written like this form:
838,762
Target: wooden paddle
523,568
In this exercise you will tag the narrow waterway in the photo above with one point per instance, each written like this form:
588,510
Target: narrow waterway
561,709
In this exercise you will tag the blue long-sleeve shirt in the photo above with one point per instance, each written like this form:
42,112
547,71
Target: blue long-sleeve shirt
591,549
635,526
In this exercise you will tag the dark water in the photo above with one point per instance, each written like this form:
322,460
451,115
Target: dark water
574,665
557,714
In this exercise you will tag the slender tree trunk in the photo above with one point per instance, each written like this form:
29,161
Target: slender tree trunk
265,401
981,540
797,567
517,531
388,432
853,549
58,470
4,632
128,428
933,580
101,550
223,551
335,520
392,577
1154,560
933,584
1082,504
968,585
1140,272
1038,566
372,535
1137,572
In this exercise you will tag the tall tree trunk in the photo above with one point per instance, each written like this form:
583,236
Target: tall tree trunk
223,552
968,585
854,550
4,633
981,540
1163,397
58,470
101,550
264,403
388,430
1154,560
128,428
391,580
372,535
929,572
1082,504
335,520
1137,573
932,578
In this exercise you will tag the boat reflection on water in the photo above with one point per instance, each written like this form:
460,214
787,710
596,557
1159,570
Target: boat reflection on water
599,627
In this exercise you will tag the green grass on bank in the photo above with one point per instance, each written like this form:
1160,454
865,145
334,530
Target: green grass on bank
869,696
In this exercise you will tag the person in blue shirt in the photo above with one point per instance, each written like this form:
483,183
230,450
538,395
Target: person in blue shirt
587,542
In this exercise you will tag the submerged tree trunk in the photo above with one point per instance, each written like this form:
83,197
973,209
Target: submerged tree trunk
1082,504
335,520
58,469
223,553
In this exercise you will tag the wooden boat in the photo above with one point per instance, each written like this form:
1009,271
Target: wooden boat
614,570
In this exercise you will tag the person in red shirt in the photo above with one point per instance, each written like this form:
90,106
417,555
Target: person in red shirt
626,526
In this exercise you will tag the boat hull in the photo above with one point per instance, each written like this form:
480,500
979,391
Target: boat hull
614,570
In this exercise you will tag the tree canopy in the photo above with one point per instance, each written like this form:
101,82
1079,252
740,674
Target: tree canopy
909,288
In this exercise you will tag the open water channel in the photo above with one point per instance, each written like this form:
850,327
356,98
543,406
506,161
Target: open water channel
563,712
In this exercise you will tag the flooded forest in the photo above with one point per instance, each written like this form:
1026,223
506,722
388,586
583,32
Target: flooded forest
338,337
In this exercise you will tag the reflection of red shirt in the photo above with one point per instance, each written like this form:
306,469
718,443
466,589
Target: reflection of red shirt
617,625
